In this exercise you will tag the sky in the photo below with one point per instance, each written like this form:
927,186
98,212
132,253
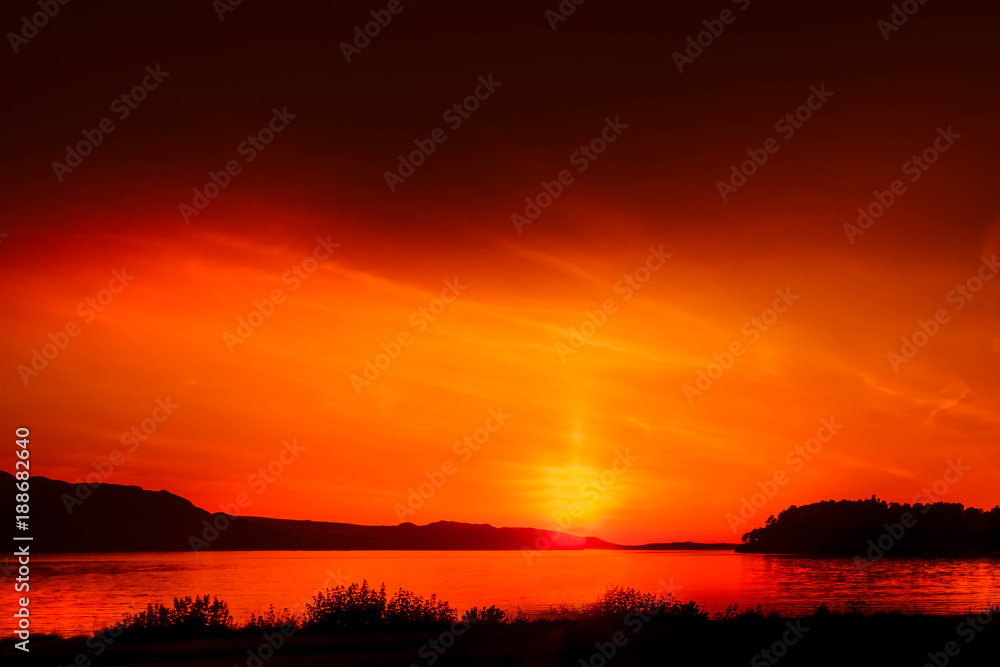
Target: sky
576,306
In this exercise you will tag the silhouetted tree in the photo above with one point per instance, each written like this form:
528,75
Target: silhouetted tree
850,527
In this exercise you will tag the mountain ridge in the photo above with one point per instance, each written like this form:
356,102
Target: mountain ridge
109,518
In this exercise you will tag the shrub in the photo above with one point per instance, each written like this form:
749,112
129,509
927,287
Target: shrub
407,607
618,601
732,612
490,616
351,607
519,616
688,609
856,606
187,614
361,607
270,620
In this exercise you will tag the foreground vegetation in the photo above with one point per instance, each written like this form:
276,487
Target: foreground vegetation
361,607
361,625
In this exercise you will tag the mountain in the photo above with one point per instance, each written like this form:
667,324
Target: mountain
115,518
680,546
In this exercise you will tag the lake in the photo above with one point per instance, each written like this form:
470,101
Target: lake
78,593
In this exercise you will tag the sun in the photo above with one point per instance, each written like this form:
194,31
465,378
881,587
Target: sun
575,497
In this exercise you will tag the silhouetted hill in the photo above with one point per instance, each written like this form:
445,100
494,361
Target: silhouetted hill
115,518
873,528
681,546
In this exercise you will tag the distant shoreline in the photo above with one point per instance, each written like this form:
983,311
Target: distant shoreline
728,548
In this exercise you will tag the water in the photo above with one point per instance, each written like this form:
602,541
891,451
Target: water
78,593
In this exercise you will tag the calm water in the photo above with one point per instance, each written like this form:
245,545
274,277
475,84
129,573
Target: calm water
79,593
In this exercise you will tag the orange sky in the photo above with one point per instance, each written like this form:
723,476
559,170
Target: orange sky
690,463
495,347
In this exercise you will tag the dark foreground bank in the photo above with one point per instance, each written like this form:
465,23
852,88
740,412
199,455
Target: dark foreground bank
819,639
361,625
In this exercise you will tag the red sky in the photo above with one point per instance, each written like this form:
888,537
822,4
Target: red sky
496,346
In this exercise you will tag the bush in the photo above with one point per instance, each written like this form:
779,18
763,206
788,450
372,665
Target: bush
406,607
357,606
856,606
618,601
732,612
187,614
519,616
490,616
270,620
351,607
688,609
